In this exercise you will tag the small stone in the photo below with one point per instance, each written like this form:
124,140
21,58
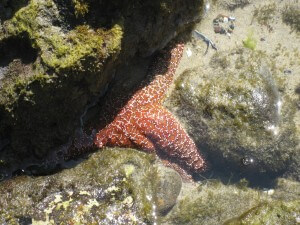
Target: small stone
168,189
287,71
269,191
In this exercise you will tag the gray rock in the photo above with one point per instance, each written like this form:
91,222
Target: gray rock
59,57
114,186
237,112
213,203
168,189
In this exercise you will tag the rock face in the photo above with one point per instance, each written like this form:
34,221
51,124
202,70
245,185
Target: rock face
111,187
126,186
215,203
168,189
237,112
56,57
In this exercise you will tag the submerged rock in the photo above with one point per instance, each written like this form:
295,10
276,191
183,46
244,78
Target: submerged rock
57,57
215,203
237,112
114,186
125,186
274,213
291,15
168,189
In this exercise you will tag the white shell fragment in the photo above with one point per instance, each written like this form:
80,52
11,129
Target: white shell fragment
207,7
231,18
189,52
269,192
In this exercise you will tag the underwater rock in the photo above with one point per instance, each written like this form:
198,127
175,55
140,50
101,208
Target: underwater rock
168,189
215,203
237,112
266,213
234,4
291,15
57,58
113,186
297,91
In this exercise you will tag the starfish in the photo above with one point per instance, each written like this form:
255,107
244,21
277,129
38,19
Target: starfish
145,124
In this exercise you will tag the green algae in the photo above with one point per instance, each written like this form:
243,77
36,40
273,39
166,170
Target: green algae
250,42
99,190
59,50
215,203
77,47
62,51
291,15
81,7
265,14
61,62
269,213
234,111
83,41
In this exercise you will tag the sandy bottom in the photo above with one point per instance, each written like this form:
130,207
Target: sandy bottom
275,39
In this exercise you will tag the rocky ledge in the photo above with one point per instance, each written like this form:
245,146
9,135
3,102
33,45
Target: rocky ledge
57,58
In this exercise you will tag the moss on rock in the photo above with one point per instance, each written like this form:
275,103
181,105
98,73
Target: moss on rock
239,110
291,15
216,203
75,47
213,203
265,14
97,191
266,213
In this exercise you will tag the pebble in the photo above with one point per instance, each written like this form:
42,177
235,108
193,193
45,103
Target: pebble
287,71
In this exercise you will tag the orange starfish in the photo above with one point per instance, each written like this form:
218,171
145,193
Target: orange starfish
145,124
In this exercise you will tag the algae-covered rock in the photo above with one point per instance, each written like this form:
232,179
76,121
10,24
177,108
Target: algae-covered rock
237,111
212,203
48,75
287,190
57,57
114,186
275,213
168,188
291,15
216,203
234,4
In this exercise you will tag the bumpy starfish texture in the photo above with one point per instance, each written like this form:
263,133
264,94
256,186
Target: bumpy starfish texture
145,124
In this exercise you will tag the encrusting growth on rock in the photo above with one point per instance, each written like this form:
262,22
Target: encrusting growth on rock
145,124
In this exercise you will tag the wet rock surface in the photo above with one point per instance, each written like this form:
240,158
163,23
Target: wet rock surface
168,189
215,203
57,58
114,186
227,100
237,112
274,213
125,186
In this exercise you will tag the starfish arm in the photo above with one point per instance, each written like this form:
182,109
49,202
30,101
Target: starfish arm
123,134
111,135
163,70
168,136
